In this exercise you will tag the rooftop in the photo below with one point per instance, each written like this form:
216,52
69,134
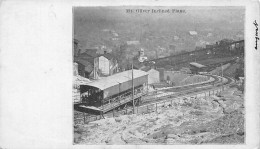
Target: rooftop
91,52
197,65
116,79
106,55
85,60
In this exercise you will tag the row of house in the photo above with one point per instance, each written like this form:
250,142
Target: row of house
91,64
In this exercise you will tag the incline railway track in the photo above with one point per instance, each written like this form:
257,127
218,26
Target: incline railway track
179,92
189,90
218,82
181,88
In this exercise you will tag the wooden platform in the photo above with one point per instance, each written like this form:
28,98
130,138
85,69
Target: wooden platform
90,107
111,106
108,107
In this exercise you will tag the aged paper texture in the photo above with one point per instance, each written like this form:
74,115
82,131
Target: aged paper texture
129,74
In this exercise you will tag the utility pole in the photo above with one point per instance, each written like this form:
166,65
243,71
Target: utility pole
221,70
195,55
222,76
133,87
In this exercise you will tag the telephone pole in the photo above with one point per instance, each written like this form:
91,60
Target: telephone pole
133,87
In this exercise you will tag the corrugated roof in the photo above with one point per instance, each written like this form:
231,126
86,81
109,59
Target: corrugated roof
197,65
116,79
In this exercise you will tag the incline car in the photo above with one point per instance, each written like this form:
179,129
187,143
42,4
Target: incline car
113,91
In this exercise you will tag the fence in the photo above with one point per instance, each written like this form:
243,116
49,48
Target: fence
153,107
84,118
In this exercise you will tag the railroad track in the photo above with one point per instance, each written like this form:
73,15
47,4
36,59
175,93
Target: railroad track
187,91
184,90
176,89
217,83
182,94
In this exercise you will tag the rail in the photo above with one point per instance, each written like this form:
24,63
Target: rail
124,100
156,106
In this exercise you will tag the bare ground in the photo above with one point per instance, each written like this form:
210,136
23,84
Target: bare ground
214,120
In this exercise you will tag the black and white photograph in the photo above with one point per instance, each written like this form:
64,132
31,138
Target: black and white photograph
158,75
121,74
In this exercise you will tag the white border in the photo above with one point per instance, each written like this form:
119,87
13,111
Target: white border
36,72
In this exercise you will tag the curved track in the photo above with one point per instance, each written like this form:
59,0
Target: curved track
180,92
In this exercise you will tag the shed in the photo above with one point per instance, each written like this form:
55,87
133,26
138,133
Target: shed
196,67
117,83
153,75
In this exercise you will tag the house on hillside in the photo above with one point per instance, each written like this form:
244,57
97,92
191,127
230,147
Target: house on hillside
84,67
85,62
91,64
88,55
153,75
105,64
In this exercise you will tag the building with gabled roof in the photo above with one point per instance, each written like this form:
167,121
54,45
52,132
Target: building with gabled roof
84,67
153,75
106,64
91,52
102,64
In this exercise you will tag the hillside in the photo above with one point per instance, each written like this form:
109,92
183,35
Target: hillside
210,120
112,26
